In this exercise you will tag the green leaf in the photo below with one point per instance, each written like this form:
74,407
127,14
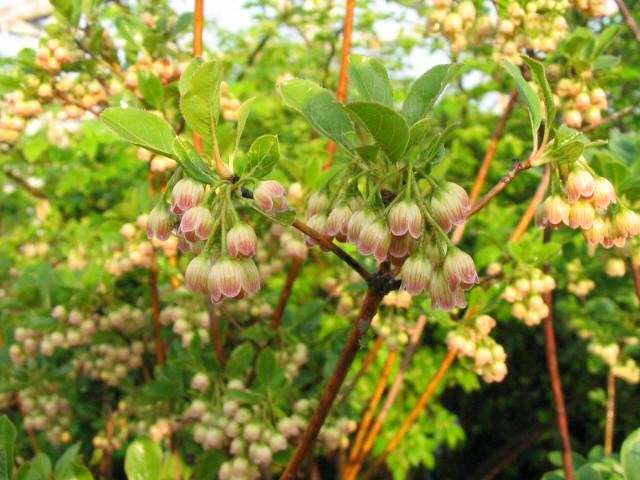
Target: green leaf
266,365
321,110
389,130
537,71
371,79
152,89
69,10
263,155
7,447
189,159
207,464
604,39
630,456
528,94
185,80
240,359
419,131
200,104
243,114
143,460
426,90
587,472
67,458
369,153
75,471
39,468
257,333
141,128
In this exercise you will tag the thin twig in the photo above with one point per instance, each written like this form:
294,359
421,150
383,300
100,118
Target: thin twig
609,427
556,382
343,81
530,212
391,396
487,160
296,264
363,369
369,308
628,18
24,184
198,27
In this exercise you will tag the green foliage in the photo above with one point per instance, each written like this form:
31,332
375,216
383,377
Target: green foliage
143,460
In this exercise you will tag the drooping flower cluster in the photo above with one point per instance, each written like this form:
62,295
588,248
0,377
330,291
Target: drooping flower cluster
405,233
186,324
110,362
293,359
579,283
393,328
526,295
487,357
590,203
459,23
625,368
44,409
581,104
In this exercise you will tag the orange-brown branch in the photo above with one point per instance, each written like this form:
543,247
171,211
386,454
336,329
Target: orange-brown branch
530,212
371,356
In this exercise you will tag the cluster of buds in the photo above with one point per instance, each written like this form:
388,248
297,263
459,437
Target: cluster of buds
408,234
580,103
187,325
52,55
393,328
120,430
165,69
594,8
540,25
486,357
459,23
626,369
157,163
16,110
10,128
245,310
579,284
108,362
45,410
615,267
526,295
590,205
293,359
229,104
31,250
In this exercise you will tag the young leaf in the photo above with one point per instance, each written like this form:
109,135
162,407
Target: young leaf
200,104
67,458
243,114
537,71
371,79
426,90
189,159
184,83
630,456
240,359
321,110
528,94
7,447
389,130
266,365
152,89
143,460
263,155
141,128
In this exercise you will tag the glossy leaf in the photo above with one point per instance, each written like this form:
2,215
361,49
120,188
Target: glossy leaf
630,456
200,103
151,88
7,447
189,159
141,128
537,71
371,79
185,79
426,90
321,110
143,460
388,129
243,114
528,95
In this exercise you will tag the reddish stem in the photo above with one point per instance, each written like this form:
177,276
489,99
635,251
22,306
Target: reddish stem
286,292
628,18
363,369
524,222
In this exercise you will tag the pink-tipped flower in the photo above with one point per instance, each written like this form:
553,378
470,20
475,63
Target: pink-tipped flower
400,247
375,239
159,222
241,240
450,205
250,277
319,223
318,203
271,196
416,274
226,279
357,222
604,193
442,296
613,236
197,274
459,270
405,217
553,212
628,222
197,224
338,222
186,194
580,184
595,234
581,215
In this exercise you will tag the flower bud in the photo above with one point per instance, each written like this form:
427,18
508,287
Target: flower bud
197,224
318,222
200,381
400,247
442,296
278,443
595,234
260,454
197,273
573,118
186,194
580,184
338,222
628,222
604,194
415,274
241,240
375,238
450,205
271,196
358,221
159,223
553,212
405,217
318,203
581,215
459,270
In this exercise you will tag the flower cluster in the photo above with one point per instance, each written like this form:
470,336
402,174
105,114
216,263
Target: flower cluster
165,69
590,203
109,362
406,233
393,328
459,23
45,410
626,369
187,325
293,359
157,163
615,267
580,103
579,284
526,295
52,55
487,358
593,8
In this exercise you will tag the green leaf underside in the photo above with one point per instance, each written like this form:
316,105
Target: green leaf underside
189,159
528,95
371,79
389,130
141,128
200,104
426,90
263,155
